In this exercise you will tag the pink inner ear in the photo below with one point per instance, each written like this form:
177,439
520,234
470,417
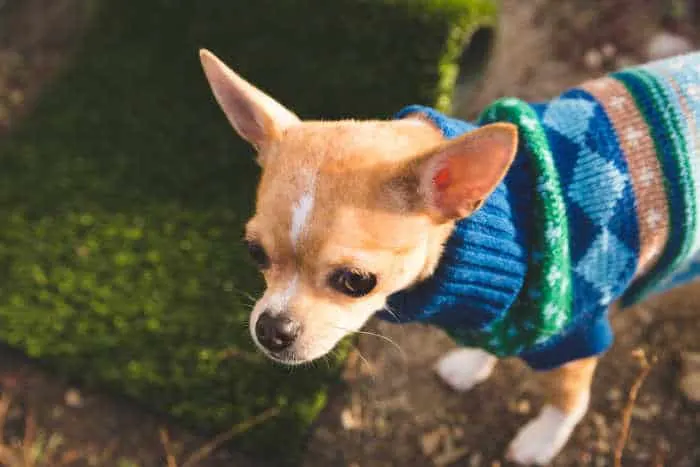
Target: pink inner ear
441,180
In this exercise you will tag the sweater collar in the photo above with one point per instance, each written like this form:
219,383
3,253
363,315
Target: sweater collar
483,265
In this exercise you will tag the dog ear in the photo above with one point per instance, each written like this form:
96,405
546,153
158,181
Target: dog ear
256,117
456,178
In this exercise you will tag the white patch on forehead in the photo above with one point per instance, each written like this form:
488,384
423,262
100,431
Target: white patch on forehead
279,301
291,289
301,211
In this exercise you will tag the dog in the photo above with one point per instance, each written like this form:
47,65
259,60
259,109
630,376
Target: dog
515,234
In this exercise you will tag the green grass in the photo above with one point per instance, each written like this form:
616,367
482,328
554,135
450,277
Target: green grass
122,198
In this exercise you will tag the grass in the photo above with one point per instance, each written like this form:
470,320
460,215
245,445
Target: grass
122,198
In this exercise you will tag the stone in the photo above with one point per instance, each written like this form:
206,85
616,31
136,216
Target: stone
600,423
690,376
73,399
475,459
608,50
523,407
349,420
593,59
430,441
450,456
665,44
614,394
642,413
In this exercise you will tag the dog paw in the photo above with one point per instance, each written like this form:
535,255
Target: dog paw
543,437
462,369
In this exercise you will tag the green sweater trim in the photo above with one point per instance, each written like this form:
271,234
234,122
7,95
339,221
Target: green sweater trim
543,308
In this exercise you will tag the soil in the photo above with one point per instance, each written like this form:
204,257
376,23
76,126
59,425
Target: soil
395,412
392,410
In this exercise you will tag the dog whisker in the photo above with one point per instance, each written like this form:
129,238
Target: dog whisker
245,295
365,361
380,336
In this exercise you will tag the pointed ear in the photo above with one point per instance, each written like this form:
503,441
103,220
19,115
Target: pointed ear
256,117
456,178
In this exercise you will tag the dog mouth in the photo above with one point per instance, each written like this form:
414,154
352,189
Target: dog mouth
285,357
298,353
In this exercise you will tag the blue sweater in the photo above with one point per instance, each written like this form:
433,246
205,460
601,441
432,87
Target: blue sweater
482,271
601,204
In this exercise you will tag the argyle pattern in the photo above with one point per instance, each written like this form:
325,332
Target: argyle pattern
599,205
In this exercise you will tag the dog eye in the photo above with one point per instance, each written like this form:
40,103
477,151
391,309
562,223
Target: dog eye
257,253
351,282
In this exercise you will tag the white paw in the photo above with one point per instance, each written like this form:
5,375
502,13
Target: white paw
544,436
462,369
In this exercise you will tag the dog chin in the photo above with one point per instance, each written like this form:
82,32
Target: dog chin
293,357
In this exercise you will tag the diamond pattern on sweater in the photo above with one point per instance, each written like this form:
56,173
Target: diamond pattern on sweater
605,262
591,174
569,117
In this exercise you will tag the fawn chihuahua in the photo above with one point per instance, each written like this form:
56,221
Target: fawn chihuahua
351,213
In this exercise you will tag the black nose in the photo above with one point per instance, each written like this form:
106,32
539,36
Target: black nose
276,333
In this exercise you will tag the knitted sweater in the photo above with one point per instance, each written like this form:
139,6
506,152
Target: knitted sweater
599,205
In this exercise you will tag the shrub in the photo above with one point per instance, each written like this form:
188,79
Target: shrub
124,194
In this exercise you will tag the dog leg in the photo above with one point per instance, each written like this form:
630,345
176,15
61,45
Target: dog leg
568,394
464,368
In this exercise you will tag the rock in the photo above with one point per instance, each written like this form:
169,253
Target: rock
690,385
349,420
73,399
430,441
523,407
690,376
475,459
642,413
600,424
381,427
608,51
450,456
614,394
654,409
665,44
593,59
602,446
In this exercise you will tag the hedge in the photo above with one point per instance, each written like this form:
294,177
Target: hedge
123,195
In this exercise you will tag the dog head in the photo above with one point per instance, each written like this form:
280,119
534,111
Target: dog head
348,212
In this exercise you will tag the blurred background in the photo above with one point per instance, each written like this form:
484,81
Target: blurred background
124,289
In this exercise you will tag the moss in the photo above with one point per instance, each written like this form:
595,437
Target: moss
124,195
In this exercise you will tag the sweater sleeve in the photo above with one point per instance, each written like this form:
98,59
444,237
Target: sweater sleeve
589,338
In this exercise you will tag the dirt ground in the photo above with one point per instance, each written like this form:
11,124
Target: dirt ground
392,410
396,412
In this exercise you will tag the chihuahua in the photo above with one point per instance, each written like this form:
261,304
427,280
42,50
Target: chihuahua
515,234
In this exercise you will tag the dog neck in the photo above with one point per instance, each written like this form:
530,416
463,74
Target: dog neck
481,268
